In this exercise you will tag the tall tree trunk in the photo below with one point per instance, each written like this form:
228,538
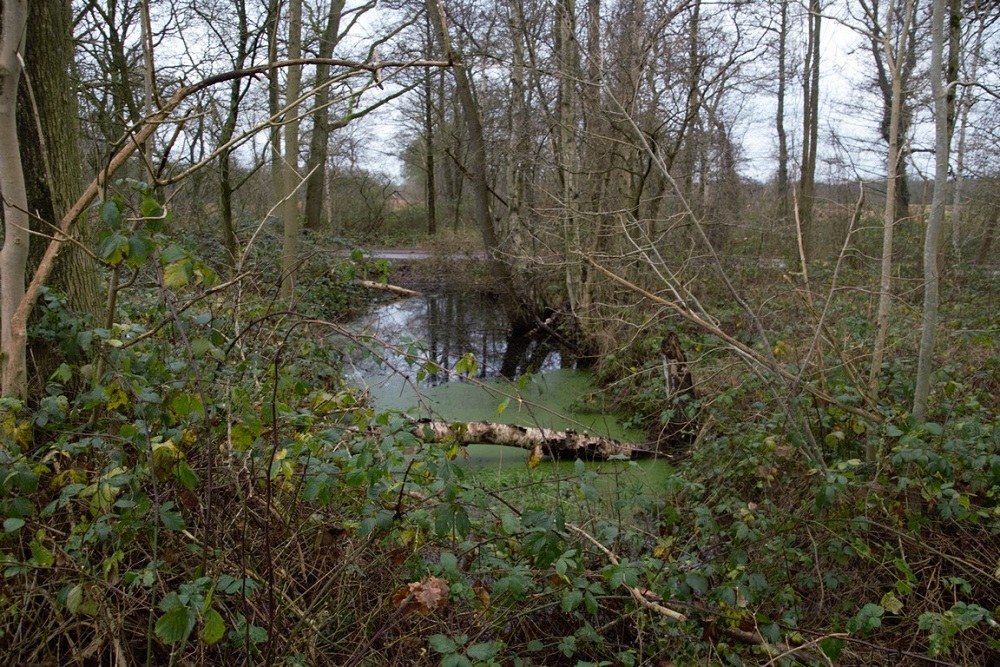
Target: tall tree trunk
779,116
49,134
14,255
289,205
568,156
430,189
810,124
476,165
237,89
893,55
944,113
320,139
965,106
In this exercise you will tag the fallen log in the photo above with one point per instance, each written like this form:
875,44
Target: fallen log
567,444
386,287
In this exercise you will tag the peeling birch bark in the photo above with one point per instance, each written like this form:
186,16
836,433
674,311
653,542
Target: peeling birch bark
556,444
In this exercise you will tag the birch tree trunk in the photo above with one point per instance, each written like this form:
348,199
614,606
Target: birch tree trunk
14,255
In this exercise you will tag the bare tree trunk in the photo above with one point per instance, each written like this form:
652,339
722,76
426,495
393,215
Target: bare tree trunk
289,206
568,156
320,139
49,135
893,58
944,103
237,90
476,167
779,116
964,106
14,256
430,189
810,124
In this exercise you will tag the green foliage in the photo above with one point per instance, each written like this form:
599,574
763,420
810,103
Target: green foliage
197,481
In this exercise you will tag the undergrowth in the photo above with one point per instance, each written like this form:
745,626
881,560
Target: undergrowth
198,484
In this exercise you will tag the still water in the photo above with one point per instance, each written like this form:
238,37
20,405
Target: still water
415,344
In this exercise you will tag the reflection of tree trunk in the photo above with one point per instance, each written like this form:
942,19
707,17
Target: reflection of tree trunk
513,354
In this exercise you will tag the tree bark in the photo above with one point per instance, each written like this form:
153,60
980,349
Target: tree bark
556,444
290,168
237,90
893,57
944,103
14,255
320,138
810,125
476,165
49,135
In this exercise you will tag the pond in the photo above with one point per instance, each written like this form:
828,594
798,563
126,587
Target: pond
514,379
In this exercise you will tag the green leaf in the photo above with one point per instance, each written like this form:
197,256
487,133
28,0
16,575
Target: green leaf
40,555
111,215
697,582
113,248
572,600
503,405
867,619
140,247
443,644
171,518
12,524
188,478
213,627
74,599
485,651
175,625
933,428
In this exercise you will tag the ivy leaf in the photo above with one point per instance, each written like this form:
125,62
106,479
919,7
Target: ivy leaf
213,627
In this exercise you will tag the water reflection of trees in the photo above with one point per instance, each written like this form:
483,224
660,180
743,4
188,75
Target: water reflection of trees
457,323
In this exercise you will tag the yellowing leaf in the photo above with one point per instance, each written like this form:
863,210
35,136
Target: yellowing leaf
891,603
213,627
535,458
